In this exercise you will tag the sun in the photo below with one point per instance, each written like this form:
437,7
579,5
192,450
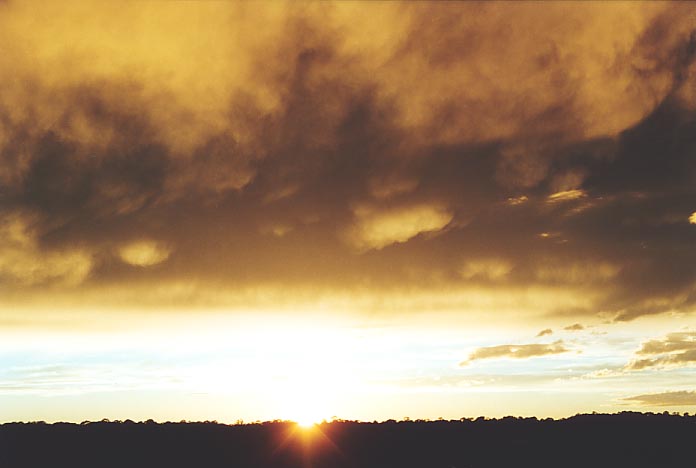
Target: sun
306,422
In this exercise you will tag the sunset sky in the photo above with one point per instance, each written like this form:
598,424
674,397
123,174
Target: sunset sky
287,210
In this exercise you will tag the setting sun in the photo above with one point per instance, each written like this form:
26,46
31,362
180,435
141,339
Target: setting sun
346,211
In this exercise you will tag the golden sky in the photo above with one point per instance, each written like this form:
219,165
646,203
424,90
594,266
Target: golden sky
346,204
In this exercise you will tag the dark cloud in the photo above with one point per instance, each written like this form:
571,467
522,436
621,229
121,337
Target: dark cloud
523,351
544,332
574,327
421,151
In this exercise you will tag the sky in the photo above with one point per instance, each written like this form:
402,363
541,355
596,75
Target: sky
357,210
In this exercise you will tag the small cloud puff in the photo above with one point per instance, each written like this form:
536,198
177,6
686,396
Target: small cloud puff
566,195
376,228
144,253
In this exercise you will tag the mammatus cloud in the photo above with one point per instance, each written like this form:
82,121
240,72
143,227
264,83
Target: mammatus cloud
681,398
516,351
674,350
336,147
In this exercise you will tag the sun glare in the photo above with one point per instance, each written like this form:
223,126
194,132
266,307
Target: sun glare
309,371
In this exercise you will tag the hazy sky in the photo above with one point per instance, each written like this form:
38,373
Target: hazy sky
260,210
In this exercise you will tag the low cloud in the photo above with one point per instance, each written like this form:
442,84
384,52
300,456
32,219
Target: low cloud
544,332
681,398
574,327
24,263
524,351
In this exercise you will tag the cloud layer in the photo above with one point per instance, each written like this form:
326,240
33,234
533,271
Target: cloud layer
214,147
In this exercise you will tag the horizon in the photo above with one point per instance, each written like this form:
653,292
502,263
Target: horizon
357,210
627,439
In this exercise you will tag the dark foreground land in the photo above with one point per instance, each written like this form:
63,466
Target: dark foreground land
622,440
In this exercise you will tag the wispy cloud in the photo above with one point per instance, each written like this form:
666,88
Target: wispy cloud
680,398
75,379
523,351
674,350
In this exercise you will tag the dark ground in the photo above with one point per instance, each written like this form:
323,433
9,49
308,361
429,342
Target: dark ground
628,440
